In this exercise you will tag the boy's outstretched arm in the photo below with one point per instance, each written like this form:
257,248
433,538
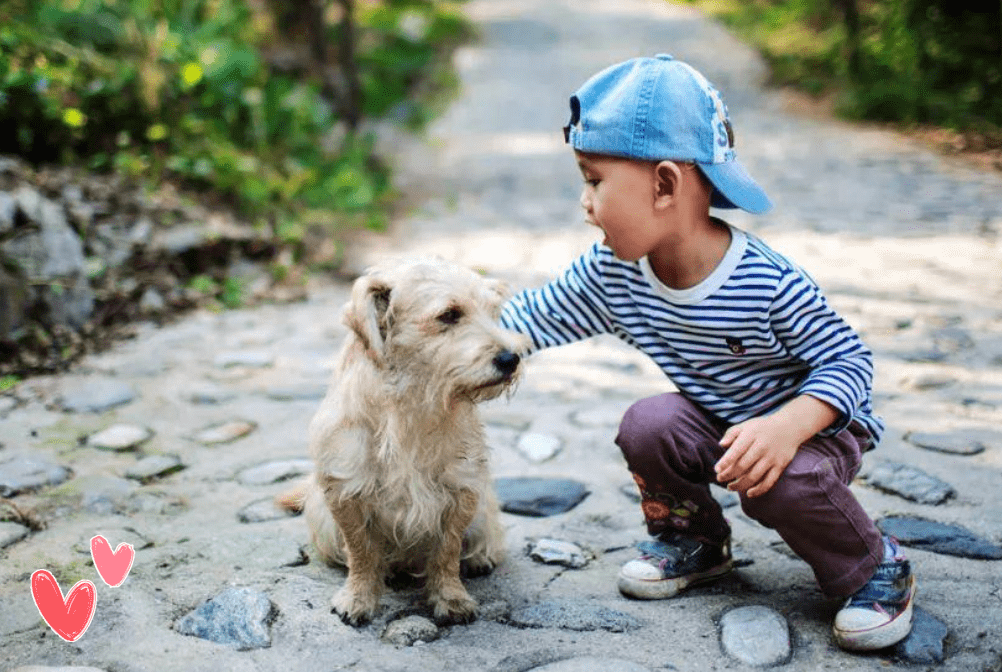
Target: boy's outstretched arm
759,449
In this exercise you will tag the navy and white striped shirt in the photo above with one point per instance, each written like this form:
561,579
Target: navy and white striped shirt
754,334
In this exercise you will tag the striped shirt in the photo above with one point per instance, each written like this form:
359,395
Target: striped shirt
754,334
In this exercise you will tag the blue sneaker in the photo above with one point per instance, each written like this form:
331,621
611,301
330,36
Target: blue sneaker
880,613
672,563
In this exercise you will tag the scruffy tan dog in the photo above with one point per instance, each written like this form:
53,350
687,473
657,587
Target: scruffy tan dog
402,480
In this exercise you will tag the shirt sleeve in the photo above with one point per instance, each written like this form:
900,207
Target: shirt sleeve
569,308
841,366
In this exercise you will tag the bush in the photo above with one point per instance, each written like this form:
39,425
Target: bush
220,95
910,61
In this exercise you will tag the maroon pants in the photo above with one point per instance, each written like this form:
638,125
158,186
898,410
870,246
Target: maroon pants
671,446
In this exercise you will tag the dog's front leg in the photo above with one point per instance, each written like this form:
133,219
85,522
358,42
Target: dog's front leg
358,598
446,592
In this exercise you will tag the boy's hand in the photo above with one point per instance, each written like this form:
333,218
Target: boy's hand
759,449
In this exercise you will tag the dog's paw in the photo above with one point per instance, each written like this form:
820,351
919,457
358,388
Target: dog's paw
352,610
471,568
454,610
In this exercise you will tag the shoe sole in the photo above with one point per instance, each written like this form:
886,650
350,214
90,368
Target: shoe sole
881,636
659,589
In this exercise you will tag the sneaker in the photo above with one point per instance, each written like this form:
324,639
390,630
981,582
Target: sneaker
672,563
880,613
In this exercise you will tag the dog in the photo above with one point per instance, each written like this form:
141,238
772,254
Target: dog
401,480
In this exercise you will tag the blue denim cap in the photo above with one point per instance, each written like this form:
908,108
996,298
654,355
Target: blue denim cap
659,108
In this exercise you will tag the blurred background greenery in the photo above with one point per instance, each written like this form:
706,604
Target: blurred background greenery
935,62
264,103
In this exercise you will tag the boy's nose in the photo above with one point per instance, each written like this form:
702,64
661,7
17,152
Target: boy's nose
585,200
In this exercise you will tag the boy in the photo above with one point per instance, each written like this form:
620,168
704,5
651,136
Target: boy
774,387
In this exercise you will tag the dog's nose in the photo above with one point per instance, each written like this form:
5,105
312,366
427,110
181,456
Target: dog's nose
506,362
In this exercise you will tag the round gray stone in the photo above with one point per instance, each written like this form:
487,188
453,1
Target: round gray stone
11,533
154,466
957,443
909,482
119,437
274,472
23,473
263,510
409,630
537,447
255,359
237,617
96,396
756,636
538,496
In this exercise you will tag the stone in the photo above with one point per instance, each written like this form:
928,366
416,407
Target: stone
224,432
956,443
943,538
537,496
96,395
566,615
61,668
25,474
263,510
209,394
924,644
275,472
537,447
119,437
304,392
154,466
114,536
601,416
556,552
98,493
756,636
237,617
909,482
409,630
7,404
255,359
591,664
11,533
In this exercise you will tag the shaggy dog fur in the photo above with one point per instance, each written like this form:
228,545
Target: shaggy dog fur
402,480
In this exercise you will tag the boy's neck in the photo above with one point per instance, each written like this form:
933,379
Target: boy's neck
690,257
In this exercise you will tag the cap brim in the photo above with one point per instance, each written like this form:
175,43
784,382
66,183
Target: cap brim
735,188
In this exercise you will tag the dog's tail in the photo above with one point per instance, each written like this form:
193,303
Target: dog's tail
294,499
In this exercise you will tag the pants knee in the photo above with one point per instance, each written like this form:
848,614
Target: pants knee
644,427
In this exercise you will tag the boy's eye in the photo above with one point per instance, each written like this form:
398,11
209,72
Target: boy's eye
451,315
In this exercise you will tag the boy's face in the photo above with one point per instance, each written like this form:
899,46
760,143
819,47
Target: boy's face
618,197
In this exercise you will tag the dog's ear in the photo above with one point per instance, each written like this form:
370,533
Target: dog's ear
367,313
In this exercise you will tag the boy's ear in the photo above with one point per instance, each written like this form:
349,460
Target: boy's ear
668,179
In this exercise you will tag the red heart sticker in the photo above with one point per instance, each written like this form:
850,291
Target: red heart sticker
113,566
70,617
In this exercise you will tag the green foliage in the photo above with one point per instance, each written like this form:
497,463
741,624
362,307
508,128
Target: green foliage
8,382
925,61
189,90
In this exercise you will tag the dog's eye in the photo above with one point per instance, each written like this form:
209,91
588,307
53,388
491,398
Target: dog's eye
450,316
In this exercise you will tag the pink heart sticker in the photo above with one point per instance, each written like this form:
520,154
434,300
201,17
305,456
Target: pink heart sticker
70,617
113,566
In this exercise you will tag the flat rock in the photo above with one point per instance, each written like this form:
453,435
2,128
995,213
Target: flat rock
11,533
556,552
254,359
96,396
24,474
274,472
537,496
237,617
263,510
597,417
119,437
98,493
115,536
409,630
590,664
63,668
924,644
154,466
756,636
957,443
537,447
207,394
581,616
943,538
224,432
909,482
304,392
